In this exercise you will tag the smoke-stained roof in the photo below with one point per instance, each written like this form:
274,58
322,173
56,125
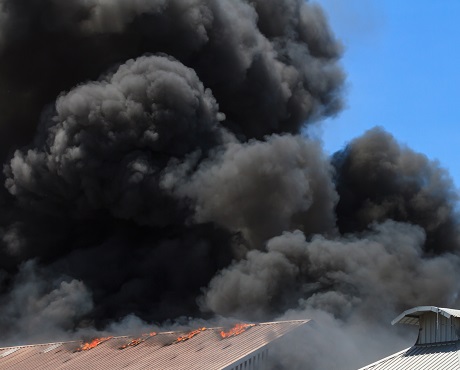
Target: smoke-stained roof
205,350
443,356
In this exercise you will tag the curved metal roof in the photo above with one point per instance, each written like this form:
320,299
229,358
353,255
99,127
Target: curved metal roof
412,315
427,354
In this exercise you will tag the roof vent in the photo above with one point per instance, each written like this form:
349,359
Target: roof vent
9,352
436,324
53,346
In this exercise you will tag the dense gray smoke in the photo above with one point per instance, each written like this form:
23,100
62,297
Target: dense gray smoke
126,128
281,183
39,303
270,64
321,274
403,253
155,167
377,179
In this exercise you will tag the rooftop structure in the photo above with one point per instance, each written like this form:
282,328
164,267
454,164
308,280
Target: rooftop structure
244,346
437,345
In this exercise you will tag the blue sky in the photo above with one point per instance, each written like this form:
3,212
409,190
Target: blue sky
402,59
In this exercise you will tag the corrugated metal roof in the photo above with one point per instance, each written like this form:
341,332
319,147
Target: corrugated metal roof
442,356
411,316
451,311
205,350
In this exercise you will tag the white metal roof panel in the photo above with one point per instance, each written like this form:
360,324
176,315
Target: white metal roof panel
450,311
442,356
206,351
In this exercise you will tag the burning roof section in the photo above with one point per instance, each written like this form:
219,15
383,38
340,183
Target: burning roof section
203,348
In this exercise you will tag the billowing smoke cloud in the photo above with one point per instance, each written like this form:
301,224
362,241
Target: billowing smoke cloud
142,91
126,128
404,253
379,179
38,303
271,65
155,167
320,270
363,280
261,188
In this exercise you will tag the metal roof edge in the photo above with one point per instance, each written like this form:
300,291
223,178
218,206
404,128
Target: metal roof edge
303,321
249,355
458,352
40,344
385,359
416,311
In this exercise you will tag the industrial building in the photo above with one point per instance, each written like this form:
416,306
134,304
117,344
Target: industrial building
244,346
437,345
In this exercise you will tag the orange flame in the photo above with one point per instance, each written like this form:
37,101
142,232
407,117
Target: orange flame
236,330
138,341
90,345
188,336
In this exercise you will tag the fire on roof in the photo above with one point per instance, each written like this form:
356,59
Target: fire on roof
203,348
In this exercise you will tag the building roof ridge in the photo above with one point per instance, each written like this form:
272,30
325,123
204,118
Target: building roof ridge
158,333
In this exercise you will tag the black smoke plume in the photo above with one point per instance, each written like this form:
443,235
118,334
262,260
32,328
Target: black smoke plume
378,179
155,167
